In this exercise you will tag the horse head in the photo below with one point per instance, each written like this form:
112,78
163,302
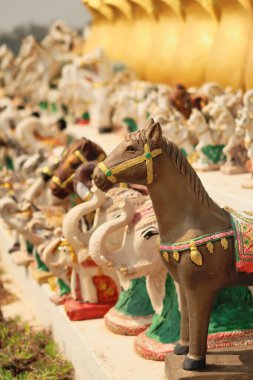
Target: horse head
137,153
81,151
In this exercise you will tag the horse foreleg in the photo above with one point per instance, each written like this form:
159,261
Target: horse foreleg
182,347
199,302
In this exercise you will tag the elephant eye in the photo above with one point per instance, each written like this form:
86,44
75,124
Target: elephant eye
131,149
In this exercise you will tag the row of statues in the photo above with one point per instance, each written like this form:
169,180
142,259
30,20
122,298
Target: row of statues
212,126
170,41
97,247
132,237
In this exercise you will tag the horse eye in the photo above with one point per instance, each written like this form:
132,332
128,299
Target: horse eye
131,149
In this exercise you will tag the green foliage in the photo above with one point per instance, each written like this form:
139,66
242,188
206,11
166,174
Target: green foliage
26,354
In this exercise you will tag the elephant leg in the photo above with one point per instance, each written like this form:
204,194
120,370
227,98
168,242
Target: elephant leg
73,284
182,347
199,306
88,289
22,242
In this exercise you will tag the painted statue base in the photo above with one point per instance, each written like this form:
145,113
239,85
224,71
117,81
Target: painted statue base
233,169
105,129
60,300
153,350
235,363
123,324
248,184
40,276
22,258
203,167
61,293
80,311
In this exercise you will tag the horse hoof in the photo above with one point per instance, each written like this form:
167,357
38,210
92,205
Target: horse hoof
193,365
181,350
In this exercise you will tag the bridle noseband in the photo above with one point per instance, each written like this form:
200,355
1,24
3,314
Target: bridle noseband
147,157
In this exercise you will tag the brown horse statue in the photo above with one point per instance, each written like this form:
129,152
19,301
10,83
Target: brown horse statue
80,151
201,253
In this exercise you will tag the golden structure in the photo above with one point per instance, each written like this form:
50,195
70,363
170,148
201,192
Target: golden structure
171,41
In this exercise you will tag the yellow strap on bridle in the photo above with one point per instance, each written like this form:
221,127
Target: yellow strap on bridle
61,184
81,157
47,170
147,156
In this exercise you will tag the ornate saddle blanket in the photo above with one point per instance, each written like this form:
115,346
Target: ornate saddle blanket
242,224
241,231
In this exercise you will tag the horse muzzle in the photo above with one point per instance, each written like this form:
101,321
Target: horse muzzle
101,180
57,191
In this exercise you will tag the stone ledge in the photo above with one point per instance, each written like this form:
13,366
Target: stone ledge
95,352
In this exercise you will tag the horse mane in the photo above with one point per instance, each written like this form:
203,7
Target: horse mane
183,166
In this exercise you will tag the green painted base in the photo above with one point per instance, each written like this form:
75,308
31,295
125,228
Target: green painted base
63,287
165,327
9,163
214,153
135,300
131,124
232,311
40,264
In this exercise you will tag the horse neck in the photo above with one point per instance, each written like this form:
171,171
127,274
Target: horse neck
182,212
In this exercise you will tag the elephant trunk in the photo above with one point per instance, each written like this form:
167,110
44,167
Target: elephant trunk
71,230
98,249
34,190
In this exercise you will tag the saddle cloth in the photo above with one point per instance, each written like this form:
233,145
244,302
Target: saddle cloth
242,224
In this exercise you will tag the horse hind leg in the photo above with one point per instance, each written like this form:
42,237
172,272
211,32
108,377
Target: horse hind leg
200,302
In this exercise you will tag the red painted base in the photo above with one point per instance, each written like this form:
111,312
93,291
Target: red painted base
153,350
123,324
60,300
83,122
80,311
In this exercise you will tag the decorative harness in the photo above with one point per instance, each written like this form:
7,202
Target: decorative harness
147,157
192,244
63,184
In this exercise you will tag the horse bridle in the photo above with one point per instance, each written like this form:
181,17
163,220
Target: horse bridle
147,157
63,184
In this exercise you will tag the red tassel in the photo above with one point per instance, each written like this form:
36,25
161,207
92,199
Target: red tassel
244,266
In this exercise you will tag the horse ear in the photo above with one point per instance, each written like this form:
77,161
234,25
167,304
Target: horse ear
149,123
154,133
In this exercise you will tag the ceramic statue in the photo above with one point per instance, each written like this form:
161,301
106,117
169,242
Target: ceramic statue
36,68
244,129
79,152
78,240
198,239
134,259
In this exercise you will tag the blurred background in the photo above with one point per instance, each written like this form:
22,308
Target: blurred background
21,18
